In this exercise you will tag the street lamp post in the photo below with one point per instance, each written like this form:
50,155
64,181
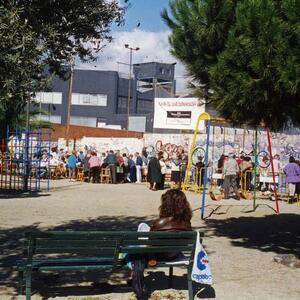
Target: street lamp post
129,83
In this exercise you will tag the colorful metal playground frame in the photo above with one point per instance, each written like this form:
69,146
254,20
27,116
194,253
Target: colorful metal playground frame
20,160
205,117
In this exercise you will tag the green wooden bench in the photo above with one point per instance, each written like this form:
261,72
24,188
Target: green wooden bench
100,250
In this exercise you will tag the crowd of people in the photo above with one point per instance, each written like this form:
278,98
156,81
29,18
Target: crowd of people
122,167
238,173
235,173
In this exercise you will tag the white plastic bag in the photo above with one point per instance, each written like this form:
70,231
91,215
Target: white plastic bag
201,272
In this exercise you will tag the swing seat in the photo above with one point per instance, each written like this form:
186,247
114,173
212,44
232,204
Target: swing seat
246,196
215,197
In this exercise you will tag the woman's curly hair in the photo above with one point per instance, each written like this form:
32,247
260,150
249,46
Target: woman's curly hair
175,204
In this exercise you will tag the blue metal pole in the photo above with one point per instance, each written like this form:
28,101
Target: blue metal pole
205,169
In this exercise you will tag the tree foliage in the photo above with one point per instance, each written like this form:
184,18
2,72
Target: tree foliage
39,33
254,74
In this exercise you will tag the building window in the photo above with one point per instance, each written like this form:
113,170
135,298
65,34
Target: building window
52,98
122,105
89,99
161,70
50,118
83,121
144,106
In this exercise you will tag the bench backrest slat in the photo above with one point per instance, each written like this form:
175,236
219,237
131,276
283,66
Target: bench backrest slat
48,243
78,250
109,243
89,235
157,249
158,242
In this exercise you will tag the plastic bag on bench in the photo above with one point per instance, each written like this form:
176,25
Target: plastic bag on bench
201,272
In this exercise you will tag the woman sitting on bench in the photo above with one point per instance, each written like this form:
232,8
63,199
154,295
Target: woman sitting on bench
174,215
174,212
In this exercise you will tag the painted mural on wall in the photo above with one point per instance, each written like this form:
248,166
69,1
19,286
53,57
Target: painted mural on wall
171,145
125,145
223,141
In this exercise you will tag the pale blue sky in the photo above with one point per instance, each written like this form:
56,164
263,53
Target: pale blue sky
151,37
145,12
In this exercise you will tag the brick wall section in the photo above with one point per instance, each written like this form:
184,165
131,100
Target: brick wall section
77,132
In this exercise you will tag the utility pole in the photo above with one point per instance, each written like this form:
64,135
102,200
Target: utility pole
70,91
129,83
26,150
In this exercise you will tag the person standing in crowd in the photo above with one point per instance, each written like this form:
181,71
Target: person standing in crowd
163,169
264,171
43,166
292,172
54,153
154,175
86,167
138,165
111,161
61,154
132,169
72,160
81,157
175,169
184,163
220,170
120,167
126,169
230,173
200,171
94,165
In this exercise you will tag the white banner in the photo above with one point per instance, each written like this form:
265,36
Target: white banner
178,113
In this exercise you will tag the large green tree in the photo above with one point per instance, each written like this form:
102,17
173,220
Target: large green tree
35,34
199,33
254,76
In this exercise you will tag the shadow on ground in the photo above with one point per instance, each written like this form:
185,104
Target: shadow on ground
275,233
17,194
11,241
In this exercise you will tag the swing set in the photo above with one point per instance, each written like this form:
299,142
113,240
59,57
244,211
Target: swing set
202,175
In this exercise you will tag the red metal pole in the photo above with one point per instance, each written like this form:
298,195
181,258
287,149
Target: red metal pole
273,173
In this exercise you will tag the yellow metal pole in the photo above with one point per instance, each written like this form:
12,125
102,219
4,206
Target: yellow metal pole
203,117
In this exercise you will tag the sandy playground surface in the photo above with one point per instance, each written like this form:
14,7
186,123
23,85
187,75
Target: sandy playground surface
241,243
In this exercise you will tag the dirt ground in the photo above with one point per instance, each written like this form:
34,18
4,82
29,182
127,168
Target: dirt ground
241,243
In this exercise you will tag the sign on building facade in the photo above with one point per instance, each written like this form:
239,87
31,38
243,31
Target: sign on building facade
178,113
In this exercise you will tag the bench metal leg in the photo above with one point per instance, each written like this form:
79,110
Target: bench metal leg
190,283
170,277
28,283
190,288
21,281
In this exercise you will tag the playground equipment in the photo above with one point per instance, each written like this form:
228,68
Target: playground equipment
257,155
21,165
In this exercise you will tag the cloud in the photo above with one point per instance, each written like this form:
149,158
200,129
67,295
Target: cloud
154,46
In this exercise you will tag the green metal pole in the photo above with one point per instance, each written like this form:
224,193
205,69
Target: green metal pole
255,169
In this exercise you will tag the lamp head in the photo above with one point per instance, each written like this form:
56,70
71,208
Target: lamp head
126,45
137,48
